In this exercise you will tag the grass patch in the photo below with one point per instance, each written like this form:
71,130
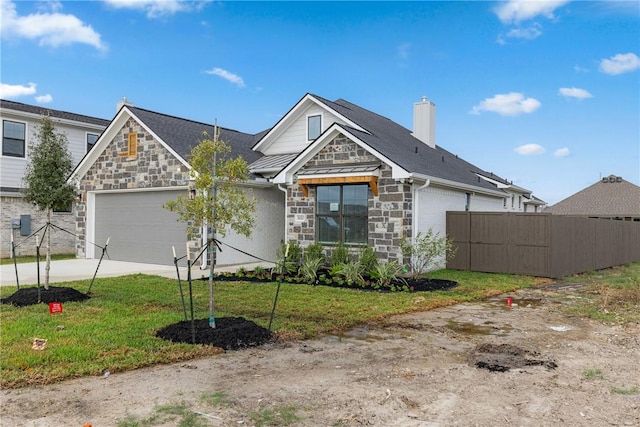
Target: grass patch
613,294
115,329
43,258
593,374
215,399
625,391
278,416
178,414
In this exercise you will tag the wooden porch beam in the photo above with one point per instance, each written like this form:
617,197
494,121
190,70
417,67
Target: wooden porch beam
368,179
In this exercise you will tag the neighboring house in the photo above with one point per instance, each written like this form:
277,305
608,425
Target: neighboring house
611,197
19,124
138,164
356,177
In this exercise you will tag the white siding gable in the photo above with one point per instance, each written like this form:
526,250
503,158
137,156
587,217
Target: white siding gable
13,168
294,138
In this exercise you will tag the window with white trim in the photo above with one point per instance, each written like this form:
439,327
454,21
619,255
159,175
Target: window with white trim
314,127
342,213
13,138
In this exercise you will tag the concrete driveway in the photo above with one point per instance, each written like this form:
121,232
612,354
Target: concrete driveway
84,269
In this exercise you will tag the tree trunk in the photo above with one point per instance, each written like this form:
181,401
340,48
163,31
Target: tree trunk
212,260
48,264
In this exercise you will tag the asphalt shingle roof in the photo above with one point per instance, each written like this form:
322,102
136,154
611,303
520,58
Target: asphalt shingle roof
398,144
610,197
182,134
39,110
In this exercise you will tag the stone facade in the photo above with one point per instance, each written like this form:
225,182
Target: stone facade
153,167
62,242
390,213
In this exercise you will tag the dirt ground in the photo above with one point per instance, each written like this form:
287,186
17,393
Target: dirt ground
480,364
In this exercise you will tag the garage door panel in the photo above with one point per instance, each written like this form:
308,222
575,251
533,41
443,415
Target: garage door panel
141,230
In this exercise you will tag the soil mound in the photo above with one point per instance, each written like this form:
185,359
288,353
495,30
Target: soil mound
230,333
503,357
29,296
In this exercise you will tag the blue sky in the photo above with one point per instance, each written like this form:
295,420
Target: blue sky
544,93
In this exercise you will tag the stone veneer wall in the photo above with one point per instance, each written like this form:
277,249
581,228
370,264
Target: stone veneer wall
61,242
153,167
390,213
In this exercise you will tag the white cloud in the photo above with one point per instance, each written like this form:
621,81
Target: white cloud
574,92
14,91
44,99
48,28
529,33
509,104
515,11
530,149
620,63
562,152
157,8
233,78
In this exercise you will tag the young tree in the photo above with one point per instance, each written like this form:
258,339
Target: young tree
219,202
45,180
426,251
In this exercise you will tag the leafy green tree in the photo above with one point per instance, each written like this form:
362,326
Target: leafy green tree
219,201
45,181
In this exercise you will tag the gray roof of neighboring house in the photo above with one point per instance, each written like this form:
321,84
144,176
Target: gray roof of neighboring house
40,110
612,196
182,134
398,144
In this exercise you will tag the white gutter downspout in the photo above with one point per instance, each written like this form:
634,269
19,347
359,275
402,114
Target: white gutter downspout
414,231
286,230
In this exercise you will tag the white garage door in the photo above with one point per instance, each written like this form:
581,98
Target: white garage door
141,230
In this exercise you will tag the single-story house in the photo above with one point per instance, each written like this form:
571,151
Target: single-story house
356,177
20,122
327,171
611,197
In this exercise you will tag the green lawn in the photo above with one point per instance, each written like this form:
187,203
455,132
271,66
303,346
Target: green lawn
115,329
43,258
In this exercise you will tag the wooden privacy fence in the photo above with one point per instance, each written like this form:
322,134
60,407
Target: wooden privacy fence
540,244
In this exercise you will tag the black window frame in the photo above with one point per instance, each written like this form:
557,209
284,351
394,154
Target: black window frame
319,126
14,140
340,218
91,144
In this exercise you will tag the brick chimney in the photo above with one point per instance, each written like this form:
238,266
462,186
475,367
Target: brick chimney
424,122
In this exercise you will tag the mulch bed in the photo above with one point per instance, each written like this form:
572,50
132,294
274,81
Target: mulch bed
412,285
29,296
230,333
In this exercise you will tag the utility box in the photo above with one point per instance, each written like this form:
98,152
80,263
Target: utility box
15,223
25,225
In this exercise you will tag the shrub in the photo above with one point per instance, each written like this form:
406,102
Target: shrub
386,272
309,269
339,254
426,251
368,259
314,251
288,261
260,271
351,271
